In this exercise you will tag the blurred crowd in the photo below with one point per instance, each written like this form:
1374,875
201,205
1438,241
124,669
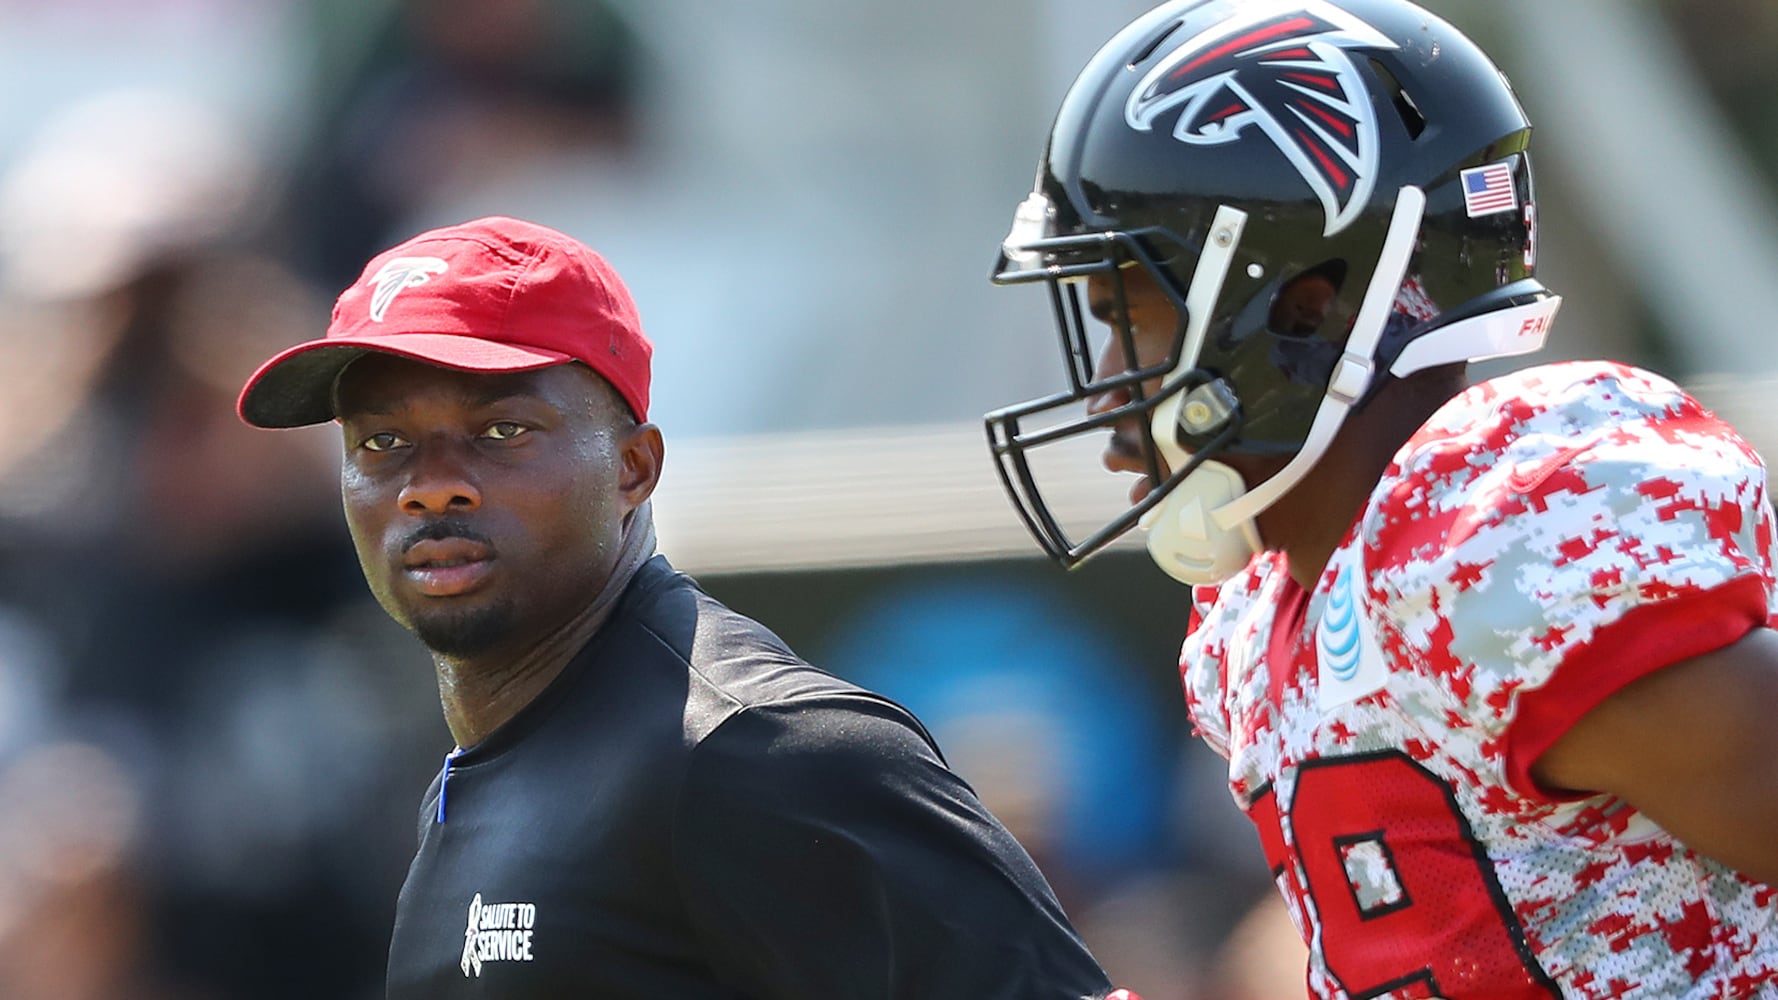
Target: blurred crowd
212,743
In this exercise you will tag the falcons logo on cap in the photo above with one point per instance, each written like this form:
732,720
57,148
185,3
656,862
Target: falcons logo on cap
400,273
1283,68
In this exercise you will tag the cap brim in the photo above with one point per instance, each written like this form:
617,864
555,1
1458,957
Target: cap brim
295,388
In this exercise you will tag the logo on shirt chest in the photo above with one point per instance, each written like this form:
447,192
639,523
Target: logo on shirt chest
1349,662
497,932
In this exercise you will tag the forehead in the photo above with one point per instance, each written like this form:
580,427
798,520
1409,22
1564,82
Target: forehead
380,383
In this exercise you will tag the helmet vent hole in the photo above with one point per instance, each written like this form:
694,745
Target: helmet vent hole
1148,50
1411,117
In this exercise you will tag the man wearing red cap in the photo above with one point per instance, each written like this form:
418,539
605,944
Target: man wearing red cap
651,796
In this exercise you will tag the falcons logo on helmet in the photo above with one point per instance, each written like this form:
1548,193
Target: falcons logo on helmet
1282,68
400,273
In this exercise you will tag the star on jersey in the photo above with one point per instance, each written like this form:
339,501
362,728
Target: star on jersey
1283,68
397,275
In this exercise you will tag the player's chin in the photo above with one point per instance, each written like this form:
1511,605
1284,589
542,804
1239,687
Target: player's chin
1140,491
462,630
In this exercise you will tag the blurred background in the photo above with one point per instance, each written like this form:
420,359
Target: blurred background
212,743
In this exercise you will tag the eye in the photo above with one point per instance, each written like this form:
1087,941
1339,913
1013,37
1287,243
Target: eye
504,430
385,441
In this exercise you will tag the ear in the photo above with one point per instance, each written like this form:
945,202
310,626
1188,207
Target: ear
640,452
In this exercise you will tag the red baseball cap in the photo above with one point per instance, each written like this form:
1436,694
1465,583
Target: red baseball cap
490,295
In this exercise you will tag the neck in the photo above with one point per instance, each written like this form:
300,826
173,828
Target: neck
481,693
1338,498
1312,519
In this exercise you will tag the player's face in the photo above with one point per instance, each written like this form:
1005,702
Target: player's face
1154,325
487,509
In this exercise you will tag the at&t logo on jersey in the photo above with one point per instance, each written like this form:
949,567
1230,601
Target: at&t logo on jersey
1350,664
497,932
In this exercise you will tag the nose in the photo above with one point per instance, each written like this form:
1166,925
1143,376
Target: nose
440,484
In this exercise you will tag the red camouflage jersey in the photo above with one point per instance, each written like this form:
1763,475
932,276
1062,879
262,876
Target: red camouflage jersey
1543,540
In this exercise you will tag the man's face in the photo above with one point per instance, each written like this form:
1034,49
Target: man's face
487,510
1155,325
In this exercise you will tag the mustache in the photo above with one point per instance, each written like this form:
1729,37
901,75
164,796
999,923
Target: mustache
1126,444
438,531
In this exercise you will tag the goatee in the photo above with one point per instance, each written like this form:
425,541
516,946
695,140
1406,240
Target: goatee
464,633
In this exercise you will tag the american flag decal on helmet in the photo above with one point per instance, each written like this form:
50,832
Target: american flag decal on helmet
1282,68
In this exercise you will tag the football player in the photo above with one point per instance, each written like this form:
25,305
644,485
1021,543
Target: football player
1491,664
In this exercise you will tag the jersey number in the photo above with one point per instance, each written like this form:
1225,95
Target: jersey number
1405,900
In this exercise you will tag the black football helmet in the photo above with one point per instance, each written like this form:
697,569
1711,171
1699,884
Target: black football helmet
1230,148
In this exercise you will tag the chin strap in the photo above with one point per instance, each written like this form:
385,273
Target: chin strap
1183,539
1204,531
1356,368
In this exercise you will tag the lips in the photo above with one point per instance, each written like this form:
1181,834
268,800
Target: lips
447,567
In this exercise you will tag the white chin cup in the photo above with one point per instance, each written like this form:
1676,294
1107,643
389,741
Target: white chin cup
1184,537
